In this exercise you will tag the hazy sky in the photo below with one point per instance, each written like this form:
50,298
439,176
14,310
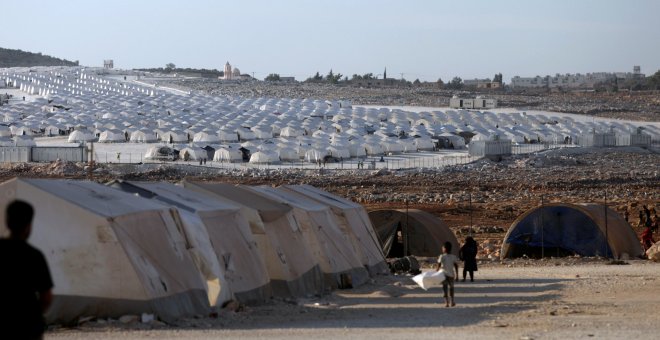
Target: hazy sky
421,39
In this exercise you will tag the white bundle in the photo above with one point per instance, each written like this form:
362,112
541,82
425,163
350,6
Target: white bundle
429,279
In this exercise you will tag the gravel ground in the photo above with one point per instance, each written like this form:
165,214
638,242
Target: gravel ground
534,299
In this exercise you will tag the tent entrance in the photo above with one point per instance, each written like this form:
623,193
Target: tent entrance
396,241
556,231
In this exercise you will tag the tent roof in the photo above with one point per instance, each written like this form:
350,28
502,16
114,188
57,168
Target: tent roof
175,195
290,197
322,196
95,197
269,209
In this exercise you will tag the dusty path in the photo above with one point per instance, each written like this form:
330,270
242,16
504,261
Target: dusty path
548,299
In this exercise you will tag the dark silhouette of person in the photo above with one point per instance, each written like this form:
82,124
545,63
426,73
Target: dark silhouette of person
468,254
26,284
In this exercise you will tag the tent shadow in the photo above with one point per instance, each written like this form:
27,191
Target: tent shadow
415,308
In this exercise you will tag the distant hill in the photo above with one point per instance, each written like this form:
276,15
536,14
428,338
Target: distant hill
18,58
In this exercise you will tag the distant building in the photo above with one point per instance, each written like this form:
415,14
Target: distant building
375,82
475,82
288,79
228,72
574,81
108,64
469,103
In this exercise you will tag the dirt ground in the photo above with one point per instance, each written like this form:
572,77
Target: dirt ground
532,299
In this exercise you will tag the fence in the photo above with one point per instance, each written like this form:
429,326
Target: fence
397,161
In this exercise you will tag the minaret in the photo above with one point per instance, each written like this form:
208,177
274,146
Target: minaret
228,74
385,73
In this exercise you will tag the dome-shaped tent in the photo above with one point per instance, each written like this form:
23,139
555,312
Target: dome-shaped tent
264,157
192,153
112,136
562,229
424,233
80,136
143,136
206,137
228,155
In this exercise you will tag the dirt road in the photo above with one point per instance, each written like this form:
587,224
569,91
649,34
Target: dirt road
548,299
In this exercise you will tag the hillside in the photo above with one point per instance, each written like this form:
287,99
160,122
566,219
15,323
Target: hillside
18,58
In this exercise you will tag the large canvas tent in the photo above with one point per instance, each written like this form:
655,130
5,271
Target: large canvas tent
110,253
561,229
411,232
292,268
221,242
324,238
355,224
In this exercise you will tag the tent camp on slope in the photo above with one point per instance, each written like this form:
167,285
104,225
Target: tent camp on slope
354,223
340,264
221,242
411,232
110,253
292,269
562,229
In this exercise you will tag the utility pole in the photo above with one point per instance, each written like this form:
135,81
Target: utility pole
405,232
607,239
470,202
542,231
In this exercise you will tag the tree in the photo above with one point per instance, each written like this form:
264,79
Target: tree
497,78
273,77
440,83
170,67
654,81
456,83
417,82
333,78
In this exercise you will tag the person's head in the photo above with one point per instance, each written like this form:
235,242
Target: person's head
469,240
18,218
446,248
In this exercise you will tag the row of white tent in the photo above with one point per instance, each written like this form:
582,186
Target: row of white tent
185,249
175,117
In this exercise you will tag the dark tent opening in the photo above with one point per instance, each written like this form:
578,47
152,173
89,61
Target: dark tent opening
412,232
557,230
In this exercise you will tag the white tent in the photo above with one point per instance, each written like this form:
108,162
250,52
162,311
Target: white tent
289,131
228,155
112,136
143,136
174,136
264,157
323,236
339,152
292,269
223,247
354,222
227,136
192,153
206,137
356,149
78,136
109,262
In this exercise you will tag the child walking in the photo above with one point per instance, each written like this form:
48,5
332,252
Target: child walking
448,263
